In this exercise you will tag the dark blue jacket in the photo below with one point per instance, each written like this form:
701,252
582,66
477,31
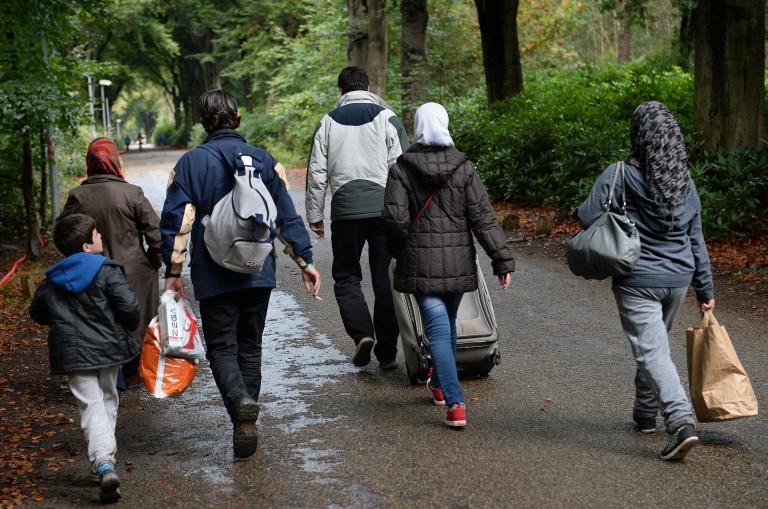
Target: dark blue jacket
199,180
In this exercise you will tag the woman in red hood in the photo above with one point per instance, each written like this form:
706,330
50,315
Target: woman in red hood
129,228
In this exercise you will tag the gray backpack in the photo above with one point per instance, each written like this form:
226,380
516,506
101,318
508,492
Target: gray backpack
240,229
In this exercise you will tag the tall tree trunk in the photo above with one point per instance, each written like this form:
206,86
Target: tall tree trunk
248,94
178,113
730,72
685,37
357,51
43,177
377,46
414,16
501,51
625,33
28,190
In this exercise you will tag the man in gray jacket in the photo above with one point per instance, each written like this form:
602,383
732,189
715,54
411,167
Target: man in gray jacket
353,147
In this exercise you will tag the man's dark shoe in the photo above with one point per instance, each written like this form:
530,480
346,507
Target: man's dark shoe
680,442
245,438
645,424
362,355
109,484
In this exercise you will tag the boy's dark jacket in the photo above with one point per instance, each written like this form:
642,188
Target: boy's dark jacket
91,313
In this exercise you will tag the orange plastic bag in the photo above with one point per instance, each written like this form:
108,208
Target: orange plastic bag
163,376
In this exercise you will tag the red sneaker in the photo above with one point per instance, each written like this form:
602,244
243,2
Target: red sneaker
437,394
456,416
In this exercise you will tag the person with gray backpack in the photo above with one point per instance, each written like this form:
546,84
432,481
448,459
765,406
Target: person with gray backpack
229,197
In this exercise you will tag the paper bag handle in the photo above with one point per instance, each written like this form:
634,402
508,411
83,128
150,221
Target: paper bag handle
707,319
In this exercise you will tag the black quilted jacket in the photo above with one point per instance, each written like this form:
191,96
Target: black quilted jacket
90,329
435,252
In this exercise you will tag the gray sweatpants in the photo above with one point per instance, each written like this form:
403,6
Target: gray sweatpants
97,402
647,315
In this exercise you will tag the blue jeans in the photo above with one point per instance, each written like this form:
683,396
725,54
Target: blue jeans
439,315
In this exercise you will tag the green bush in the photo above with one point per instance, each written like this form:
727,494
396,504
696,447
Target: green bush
173,136
733,187
546,146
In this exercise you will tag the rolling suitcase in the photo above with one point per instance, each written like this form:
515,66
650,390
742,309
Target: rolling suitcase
477,344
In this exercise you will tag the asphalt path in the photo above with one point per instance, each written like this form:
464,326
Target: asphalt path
550,427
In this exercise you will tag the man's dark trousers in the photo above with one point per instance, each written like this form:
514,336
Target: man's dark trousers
348,236
233,324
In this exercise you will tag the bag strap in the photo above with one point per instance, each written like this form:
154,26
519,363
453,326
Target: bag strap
424,207
619,168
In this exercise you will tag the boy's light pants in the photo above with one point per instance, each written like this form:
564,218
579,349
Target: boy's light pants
97,401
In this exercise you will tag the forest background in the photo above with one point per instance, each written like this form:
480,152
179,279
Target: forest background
540,92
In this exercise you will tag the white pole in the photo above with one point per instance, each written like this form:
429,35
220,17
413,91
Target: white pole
109,120
53,175
92,107
103,111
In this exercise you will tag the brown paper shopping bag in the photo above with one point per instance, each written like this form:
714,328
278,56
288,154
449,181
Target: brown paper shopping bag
720,388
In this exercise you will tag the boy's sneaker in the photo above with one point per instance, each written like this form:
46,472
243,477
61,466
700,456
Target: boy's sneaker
245,438
645,424
362,355
109,484
456,416
436,392
680,442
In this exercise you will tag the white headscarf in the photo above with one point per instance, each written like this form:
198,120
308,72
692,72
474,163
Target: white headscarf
431,126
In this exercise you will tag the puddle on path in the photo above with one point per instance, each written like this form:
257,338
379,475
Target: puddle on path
297,363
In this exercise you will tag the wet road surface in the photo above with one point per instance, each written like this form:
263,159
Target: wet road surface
550,427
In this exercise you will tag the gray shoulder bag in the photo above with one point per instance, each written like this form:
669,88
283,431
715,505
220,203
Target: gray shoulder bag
610,246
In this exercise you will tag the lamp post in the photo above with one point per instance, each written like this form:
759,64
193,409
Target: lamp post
91,105
105,106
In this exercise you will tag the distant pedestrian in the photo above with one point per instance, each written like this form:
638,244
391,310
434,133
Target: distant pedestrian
233,305
127,141
434,202
129,227
662,201
162,137
352,150
91,313
140,140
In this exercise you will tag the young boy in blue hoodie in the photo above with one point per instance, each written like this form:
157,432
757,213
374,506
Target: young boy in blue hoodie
91,313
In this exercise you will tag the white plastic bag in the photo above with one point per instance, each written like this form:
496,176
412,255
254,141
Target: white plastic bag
179,336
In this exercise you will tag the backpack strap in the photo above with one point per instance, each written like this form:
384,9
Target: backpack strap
219,154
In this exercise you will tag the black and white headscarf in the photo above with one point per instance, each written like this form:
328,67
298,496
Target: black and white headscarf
659,150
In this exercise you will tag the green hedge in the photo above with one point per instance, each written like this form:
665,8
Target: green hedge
546,146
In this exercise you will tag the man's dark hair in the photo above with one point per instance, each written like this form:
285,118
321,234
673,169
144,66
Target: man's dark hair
72,231
352,78
218,110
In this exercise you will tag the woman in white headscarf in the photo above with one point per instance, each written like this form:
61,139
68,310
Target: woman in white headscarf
433,203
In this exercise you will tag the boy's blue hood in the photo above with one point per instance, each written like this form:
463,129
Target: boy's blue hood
74,273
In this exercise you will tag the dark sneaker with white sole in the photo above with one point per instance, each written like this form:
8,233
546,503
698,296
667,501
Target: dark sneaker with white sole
109,484
362,355
680,442
245,438
645,424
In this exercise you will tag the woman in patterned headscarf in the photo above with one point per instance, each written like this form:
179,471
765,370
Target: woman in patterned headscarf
127,223
662,201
